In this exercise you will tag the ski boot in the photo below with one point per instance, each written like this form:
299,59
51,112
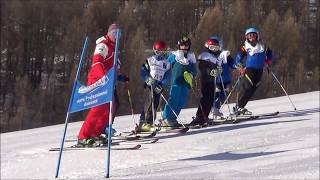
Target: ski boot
198,122
145,127
170,124
217,113
88,142
241,111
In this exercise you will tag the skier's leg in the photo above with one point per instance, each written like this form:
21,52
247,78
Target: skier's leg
95,121
174,101
184,92
225,92
207,91
156,102
246,89
219,96
148,107
257,79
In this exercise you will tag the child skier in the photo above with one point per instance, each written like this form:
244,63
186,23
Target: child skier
183,70
155,73
210,62
223,80
257,56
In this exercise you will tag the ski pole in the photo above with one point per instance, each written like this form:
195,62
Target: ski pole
172,110
225,94
229,95
214,95
152,104
131,105
274,76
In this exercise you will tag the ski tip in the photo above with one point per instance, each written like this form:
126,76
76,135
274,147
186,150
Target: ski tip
184,130
153,133
138,146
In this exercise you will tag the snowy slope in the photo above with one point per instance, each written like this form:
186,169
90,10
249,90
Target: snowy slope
285,147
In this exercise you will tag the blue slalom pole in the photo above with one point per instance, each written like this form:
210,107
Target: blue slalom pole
85,45
115,62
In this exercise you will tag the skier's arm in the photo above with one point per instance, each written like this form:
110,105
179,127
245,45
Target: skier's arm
269,56
230,62
193,69
240,55
205,67
145,71
100,53
172,59
166,77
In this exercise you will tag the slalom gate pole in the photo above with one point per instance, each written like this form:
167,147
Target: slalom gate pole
85,45
172,110
274,76
115,61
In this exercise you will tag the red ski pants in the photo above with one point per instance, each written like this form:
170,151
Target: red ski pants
95,122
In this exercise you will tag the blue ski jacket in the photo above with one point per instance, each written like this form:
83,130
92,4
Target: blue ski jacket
256,56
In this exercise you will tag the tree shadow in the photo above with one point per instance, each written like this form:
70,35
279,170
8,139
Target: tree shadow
225,127
228,127
232,156
302,112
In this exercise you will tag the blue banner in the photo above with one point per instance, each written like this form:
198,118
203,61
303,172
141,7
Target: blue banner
98,93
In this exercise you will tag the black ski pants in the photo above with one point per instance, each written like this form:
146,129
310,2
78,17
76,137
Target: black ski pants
206,101
248,85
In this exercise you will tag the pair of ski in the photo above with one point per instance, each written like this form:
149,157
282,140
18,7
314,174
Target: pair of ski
122,142
234,119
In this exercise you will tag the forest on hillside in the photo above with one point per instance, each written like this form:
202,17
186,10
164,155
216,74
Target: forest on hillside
41,42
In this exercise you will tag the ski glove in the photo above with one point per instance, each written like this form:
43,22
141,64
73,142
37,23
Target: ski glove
188,77
150,81
158,89
267,64
123,78
241,69
216,71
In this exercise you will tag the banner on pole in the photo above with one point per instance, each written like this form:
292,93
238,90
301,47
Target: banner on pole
98,93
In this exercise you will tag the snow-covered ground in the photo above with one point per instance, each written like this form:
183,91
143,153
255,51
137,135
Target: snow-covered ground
283,147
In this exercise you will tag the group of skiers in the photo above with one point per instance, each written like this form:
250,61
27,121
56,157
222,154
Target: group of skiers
178,68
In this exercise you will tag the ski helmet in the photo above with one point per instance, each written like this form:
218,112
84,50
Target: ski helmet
251,32
213,43
184,41
159,47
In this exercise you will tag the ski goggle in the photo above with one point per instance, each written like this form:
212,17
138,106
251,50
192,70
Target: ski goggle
184,47
252,35
158,52
214,47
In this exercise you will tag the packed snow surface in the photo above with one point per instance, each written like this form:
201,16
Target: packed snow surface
282,147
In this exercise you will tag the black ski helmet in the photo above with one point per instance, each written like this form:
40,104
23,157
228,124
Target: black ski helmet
185,40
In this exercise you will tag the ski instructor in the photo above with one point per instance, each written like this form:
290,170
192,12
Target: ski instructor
102,61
